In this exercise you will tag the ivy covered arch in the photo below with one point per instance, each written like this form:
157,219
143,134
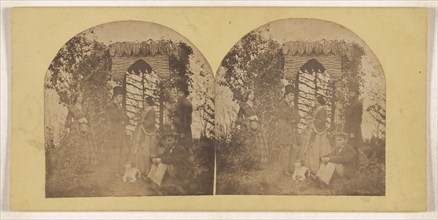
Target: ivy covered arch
150,68
323,68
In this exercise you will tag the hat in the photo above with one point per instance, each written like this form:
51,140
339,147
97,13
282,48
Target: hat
118,90
320,99
289,89
341,134
253,124
185,90
149,100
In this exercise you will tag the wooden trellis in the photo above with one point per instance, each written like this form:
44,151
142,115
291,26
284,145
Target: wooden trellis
315,68
140,67
312,83
138,86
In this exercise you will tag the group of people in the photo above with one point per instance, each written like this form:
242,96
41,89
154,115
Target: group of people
324,152
149,146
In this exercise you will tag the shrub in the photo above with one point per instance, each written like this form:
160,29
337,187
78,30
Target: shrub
232,156
370,178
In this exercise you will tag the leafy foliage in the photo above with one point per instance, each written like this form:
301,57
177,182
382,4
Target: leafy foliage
180,68
202,180
253,63
232,156
80,65
352,74
83,65
256,63
370,177
207,114
378,112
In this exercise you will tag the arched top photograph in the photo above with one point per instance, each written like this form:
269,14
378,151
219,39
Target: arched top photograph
129,111
312,82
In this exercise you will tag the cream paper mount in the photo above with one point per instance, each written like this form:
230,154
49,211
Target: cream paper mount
324,52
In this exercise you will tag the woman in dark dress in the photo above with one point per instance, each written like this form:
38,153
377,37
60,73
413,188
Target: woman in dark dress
251,132
77,147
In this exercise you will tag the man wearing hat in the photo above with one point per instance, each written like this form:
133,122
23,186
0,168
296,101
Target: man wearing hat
288,118
183,118
353,117
117,139
341,161
175,156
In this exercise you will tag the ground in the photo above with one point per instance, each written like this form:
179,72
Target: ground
99,182
65,177
272,181
236,175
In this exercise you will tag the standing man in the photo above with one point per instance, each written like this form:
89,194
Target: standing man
288,118
183,118
353,118
117,138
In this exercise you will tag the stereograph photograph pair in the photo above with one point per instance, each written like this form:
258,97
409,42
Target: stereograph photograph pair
133,109
296,107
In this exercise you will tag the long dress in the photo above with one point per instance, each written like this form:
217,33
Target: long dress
252,135
77,147
146,141
317,141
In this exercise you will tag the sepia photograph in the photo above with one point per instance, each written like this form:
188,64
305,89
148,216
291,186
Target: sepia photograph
183,112
129,111
300,110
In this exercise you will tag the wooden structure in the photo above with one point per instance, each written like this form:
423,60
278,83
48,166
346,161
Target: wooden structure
141,67
315,67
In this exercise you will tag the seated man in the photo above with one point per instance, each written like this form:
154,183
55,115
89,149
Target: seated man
340,162
173,161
